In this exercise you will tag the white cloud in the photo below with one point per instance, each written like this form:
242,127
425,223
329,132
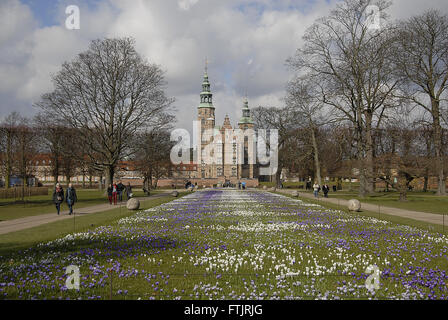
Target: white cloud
246,44
186,4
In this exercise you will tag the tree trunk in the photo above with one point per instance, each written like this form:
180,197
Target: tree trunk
110,171
146,183
369,155
438,148
56,169
425,183
362,174
316,156
8,161
403,195
278,181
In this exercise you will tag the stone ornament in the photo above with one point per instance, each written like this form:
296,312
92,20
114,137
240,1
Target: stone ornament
133,204
354,205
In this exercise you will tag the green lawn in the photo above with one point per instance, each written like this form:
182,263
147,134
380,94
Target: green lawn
224,244
378,215
301,185
37,205
11,242
417,201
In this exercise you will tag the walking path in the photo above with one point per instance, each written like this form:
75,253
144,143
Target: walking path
416,215
34,221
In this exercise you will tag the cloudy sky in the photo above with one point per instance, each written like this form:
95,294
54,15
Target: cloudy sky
246,42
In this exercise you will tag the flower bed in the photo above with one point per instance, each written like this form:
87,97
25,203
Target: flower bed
224,244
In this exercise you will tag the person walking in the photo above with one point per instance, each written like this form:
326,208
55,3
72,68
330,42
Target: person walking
244,185
109,193
71,197
120,189
114,193
58,197
129,191
326,189
316,188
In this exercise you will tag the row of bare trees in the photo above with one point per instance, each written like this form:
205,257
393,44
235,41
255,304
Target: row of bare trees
108,105
17,147
28,145
365,79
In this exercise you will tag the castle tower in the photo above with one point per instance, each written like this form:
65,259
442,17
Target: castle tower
229,152
246,169
206,118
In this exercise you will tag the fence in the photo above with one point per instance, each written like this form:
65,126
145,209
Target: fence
16,192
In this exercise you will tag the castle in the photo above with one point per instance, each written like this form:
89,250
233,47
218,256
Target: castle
223,154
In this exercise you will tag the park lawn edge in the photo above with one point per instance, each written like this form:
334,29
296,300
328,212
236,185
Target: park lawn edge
47,206
14,242
382,216
393,203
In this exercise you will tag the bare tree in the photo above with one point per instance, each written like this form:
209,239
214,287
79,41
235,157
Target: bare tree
108,93
422,59
152,156
285,120
354,70
25,151
8,131
52,135
399,163
313,115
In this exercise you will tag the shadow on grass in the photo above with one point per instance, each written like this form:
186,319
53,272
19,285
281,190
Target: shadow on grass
45,202
115,247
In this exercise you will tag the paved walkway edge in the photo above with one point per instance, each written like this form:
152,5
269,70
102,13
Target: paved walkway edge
415,215
35,221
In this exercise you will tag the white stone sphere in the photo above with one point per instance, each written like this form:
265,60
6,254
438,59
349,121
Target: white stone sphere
354,205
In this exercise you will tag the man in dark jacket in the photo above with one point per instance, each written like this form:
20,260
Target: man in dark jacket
326,189
71,197
120,189
58,197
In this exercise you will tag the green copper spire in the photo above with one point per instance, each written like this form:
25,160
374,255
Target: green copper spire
246,119
206,94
